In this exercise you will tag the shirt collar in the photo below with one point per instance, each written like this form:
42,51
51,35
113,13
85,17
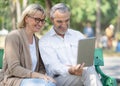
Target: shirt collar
52,32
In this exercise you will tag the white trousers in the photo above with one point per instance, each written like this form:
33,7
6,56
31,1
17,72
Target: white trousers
89,78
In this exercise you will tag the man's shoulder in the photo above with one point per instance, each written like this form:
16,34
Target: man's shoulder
45,40
75,32
45,37
72,30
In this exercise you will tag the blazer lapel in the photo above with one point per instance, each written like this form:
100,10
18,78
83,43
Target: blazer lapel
24,39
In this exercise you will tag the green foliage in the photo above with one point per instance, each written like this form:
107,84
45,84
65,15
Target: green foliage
85,10
117,36
42,2
4,13
1,22
81,12
109,12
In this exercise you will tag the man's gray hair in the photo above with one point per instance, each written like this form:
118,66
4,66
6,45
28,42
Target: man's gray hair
61,7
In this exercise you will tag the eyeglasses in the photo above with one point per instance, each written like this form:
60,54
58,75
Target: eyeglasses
38,20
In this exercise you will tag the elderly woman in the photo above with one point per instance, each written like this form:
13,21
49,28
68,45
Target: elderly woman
23,65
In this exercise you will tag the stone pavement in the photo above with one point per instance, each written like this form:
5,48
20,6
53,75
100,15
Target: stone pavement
112,67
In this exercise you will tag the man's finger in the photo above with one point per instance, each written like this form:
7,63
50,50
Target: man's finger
82,65
77,66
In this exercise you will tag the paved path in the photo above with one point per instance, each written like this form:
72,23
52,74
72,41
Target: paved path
112,66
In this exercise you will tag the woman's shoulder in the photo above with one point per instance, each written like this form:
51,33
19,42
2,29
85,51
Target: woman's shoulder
14,34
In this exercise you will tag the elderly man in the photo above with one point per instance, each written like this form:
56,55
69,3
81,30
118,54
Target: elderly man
59,52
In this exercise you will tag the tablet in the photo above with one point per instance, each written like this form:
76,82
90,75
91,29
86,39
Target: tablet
86,49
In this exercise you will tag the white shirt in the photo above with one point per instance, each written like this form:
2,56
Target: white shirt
58,52
33,54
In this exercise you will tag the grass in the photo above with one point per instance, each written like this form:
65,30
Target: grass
110,53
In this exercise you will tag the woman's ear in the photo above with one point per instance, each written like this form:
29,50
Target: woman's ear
26,19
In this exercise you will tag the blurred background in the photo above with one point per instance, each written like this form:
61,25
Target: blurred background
99,18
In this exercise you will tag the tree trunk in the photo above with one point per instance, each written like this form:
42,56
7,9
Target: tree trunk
13,13
118,19
98,25
18,10
48,6
25,3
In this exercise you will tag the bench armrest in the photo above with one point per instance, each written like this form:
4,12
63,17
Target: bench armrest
1,57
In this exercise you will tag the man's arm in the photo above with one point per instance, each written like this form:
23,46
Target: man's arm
51,60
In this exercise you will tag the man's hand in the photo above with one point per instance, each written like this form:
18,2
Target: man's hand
76,70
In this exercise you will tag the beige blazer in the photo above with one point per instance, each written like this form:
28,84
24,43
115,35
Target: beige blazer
17,63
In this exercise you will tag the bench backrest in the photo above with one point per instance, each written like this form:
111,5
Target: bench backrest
98,57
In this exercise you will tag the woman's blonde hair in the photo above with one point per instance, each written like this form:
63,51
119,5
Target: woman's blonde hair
30,10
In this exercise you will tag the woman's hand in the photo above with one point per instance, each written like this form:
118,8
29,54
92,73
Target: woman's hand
42,76
50,78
